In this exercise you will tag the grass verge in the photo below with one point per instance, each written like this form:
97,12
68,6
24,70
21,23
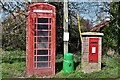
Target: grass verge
13,66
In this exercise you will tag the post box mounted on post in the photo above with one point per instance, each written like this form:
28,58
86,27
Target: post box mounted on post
91,51
41,41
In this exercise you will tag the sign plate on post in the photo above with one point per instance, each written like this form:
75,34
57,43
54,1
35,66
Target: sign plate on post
66,36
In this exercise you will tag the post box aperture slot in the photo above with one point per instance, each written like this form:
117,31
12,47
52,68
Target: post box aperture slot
94,42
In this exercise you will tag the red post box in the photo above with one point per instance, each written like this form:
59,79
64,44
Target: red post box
93,49
41,40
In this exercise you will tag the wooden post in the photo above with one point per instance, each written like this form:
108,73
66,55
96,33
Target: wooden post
0,35
65,27
1,28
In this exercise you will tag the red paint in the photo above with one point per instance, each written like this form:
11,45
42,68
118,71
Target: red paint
93,49
41,40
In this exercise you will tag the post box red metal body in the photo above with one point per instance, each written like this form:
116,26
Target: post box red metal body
93,49
41,40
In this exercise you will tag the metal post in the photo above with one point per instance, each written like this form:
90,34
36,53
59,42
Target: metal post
66,26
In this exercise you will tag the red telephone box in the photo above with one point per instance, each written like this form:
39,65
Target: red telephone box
93,49
41,40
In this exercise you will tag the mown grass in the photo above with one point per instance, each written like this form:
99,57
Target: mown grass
13,70
14,65
110,69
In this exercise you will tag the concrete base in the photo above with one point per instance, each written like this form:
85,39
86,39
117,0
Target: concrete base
91,67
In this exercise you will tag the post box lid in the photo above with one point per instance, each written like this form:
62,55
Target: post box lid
92,34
